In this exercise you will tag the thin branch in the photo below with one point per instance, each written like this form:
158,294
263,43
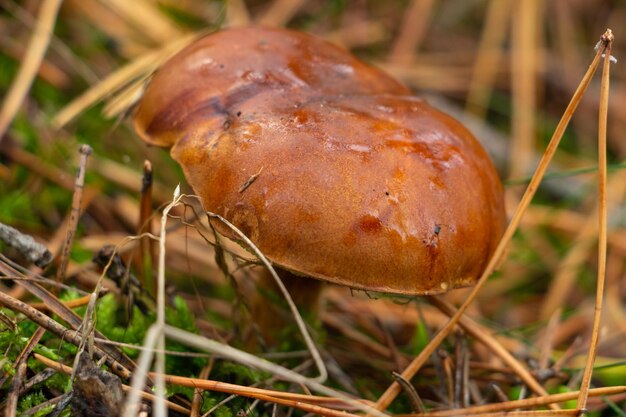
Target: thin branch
32,250
61,331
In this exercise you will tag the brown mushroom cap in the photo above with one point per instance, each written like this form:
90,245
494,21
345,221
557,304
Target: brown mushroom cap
358,183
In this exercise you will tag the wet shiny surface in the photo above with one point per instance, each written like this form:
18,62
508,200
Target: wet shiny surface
360,184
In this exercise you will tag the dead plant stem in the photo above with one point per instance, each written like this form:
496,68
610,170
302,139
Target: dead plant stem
480,333
36,50
525,403
308,340
145,226
21,362
607,40
61,331
85,151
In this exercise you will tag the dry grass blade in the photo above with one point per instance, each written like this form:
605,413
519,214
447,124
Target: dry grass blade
485,337
237,13
125,99
196,402
412,32
129,41
139,376
515,413
139,67
244,358
394,389
489,55
280,12
36,49
607,42
358,34
525,403
258,393
147,18
524,79
154,336
308,340
569,267
75,303
159,403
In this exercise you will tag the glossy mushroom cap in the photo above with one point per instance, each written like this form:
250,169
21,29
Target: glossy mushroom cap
327,164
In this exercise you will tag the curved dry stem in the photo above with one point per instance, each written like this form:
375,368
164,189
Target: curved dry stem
244,358
607,40
317,357
154,336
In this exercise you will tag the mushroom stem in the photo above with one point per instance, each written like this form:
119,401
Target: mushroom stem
270,312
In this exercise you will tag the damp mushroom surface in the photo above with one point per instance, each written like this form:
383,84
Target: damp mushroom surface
330,166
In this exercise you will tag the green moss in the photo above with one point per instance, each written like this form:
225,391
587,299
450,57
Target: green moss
112,320
420,338
80,255
236,374
210,400
31,400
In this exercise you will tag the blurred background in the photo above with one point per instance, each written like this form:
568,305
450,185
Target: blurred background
505,68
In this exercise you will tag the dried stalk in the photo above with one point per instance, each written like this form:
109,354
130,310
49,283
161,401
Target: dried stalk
317,357
56,306
145,226
226,351
85,151
35,52
61,331
525,403
480,333
524,84
488,57
21,364
607,42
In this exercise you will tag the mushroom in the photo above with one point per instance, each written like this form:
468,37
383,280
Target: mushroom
330,166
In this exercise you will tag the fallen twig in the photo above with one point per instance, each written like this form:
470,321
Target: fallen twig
32,250
58,329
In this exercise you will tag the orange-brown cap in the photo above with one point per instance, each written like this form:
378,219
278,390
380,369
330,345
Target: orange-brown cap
334,171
